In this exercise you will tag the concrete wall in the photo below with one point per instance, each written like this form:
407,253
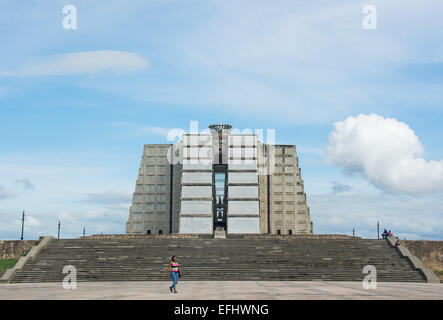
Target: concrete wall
244,207
243,177
196,165
197,177
196,185
242,140
243,192
243,189
243,225
239,164
150,209
429,252
289,211
196,192
238,152
14,249
196,224
196,207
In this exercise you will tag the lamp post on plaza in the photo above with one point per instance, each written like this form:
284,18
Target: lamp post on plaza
23,224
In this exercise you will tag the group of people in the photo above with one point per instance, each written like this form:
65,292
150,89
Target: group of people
386,234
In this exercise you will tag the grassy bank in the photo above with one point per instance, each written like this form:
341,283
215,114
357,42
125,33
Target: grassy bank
6,264
439,273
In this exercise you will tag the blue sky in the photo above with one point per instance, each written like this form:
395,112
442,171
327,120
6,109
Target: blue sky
76,106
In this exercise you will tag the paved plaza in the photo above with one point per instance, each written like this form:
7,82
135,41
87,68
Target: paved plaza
224,290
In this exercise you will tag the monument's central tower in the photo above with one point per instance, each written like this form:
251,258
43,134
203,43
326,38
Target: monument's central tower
227,168
220,133
220,179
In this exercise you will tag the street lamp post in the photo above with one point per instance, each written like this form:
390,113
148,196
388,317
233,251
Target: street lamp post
23,224
58,235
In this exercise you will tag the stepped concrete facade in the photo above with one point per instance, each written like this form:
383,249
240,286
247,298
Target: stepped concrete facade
219,181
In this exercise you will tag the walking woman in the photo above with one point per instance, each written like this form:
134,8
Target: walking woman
175,273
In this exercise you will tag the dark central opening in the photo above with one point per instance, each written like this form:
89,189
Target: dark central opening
219,199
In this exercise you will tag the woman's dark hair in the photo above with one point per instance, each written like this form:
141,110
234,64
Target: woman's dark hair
172,258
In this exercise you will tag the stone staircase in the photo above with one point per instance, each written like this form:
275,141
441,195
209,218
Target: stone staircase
207,259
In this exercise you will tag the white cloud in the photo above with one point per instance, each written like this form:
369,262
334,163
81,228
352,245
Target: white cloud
32,222
66,217
5,193
386,152
87,62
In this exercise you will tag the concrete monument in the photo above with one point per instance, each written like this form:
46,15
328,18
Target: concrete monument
219,181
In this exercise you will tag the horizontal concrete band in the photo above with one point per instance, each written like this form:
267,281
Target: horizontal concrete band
202,215
197,184
243,225
242,177
197,160
196,207
243,191
233,159
153,180
241,165
242,152
245,215
239,140
196,177
195,199
145,207
198,145
245,184
197,191
243,207
196,224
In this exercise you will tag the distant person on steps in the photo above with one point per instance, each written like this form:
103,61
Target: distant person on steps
175,273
